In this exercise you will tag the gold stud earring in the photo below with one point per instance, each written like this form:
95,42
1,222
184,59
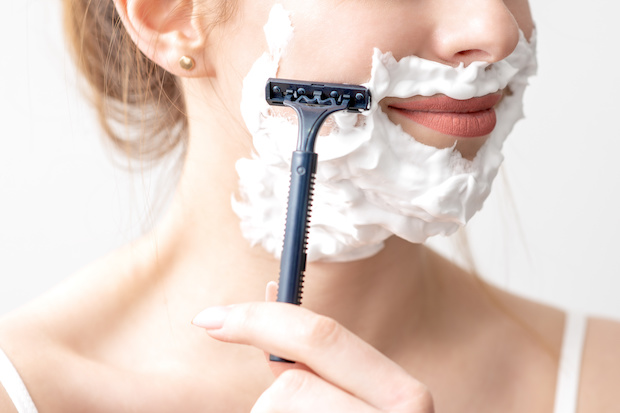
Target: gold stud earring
187,63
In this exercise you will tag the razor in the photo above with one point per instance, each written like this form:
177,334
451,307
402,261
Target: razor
313,103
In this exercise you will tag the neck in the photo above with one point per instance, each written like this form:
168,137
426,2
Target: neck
215,265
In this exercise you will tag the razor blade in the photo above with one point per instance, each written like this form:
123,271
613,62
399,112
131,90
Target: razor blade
314,102
356,98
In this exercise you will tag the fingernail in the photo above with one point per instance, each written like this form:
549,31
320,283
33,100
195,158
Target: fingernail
212,318
271,291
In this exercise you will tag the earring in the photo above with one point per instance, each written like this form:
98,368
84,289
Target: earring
187,63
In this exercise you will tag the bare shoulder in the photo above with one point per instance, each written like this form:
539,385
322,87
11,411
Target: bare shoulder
36,342
57,377
104,341
48,340
29,360
600,377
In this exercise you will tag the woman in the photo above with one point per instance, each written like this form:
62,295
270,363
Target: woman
396,328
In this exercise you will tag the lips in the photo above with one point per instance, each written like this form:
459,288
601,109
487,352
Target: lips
462,118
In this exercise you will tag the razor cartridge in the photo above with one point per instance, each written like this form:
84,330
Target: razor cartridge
279,90
313,103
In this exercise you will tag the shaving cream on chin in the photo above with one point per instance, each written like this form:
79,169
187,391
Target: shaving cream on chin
373,179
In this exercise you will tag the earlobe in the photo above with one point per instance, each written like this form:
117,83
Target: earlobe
166,31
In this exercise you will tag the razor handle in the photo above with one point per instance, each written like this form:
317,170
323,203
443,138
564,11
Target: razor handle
293,262
313,102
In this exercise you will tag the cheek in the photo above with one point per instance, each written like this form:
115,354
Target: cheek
315,57
337,45
327,47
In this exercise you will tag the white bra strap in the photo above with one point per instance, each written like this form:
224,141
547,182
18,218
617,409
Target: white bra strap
14,386
569,371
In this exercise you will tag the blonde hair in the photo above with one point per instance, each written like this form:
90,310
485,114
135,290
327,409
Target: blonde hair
140,105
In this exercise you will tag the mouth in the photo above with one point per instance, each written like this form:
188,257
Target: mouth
469,118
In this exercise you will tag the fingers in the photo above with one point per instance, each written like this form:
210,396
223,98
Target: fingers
334,353
303,392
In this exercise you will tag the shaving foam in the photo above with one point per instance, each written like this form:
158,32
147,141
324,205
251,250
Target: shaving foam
373,179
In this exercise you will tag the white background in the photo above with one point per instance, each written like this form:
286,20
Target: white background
63,203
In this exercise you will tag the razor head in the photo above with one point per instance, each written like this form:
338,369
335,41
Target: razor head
355,97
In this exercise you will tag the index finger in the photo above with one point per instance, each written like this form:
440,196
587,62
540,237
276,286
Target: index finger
329,349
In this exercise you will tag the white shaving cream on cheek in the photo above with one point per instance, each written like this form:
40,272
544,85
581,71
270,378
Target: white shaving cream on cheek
373,179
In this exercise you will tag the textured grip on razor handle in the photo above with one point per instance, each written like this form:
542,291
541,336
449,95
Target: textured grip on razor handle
293,261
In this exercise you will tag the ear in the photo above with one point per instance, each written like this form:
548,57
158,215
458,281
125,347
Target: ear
165,31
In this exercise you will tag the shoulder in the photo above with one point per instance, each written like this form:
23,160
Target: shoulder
56,375
28,359
42,360
50,340
600,375
81,346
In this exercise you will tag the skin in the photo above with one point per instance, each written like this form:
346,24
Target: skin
402,331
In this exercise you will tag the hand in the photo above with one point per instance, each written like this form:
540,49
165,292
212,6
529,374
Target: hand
339,372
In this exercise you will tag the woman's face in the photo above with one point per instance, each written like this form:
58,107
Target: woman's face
391,170
333,41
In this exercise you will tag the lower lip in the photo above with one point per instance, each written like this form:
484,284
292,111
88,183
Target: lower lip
463,125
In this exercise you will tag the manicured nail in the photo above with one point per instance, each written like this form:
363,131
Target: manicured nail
212,318
271,291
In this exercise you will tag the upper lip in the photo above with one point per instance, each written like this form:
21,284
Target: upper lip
445,104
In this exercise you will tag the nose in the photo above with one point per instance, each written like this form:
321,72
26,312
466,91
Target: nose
474,30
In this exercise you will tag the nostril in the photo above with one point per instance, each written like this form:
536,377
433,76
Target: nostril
472,55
